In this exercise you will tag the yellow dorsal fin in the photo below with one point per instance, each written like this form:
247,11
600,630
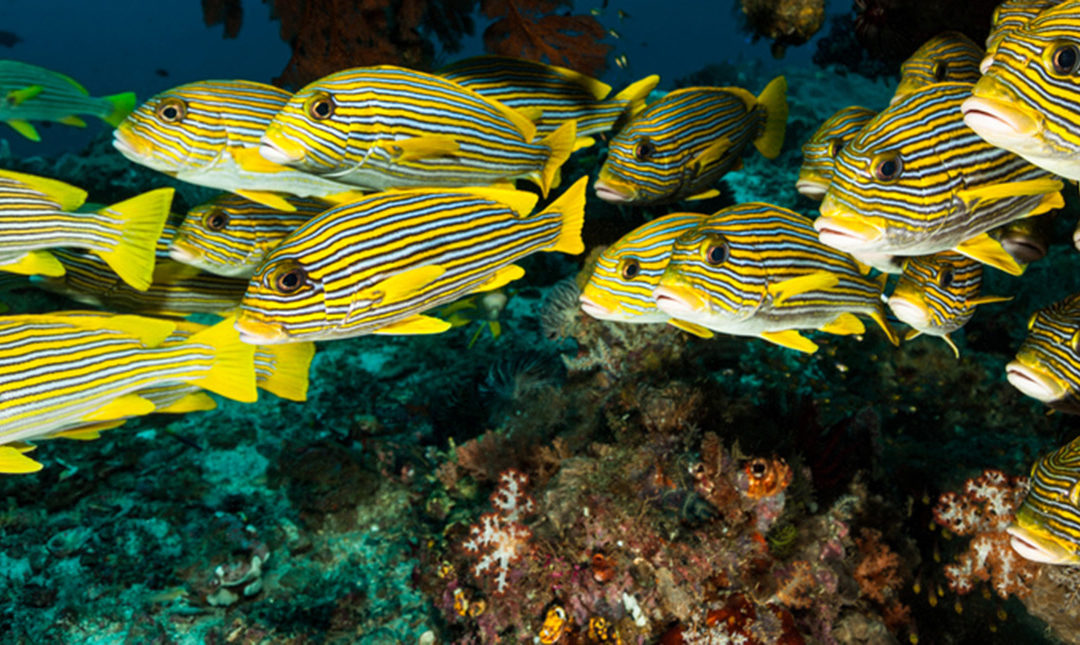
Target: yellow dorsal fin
583,142
985,300
14,462
987,250
708,194
691,328
24,128
267,198
194,402
18,97
790,339
501,278
522,202
846,324
571,206
232,371
791,287
523,123
712,153
288,377
405,284
636,93
73,120
35,263
532,112
139,222
1008,189
88,432
151,332
598,89
425,147
773,99
128,405
249,159
67,196
560,144
417,324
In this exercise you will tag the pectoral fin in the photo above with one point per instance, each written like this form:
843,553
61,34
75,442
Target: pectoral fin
266,198
425,147
1010,189
713,153
407,283
417,324
249,159
790,339
35,263
987,250
691,328
18,97
791,287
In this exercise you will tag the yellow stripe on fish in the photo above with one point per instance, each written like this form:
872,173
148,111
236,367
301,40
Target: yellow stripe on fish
390,127
374,265
231,235
208,133
1047,365
36,217
1046,527
31,93
1009,16
1027,100
760,270
679,146
820,151
555,94
917,181
937,294
949,57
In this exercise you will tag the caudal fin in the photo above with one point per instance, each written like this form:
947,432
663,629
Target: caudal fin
120,105
283,369
139,222
232,370
560,144
773,100
571,207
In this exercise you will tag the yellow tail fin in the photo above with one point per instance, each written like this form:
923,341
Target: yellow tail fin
232,371
636,94
139,222
571,206
283,369
560,144
773,99
120,106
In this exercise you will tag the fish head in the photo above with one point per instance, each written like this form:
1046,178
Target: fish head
216,236
644,163
314,130
284,302
1046,527
822,148
934,293
948,57
1047,365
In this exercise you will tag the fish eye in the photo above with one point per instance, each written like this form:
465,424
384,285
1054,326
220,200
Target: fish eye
291,279
1031,321
835,146
887,167
320,107
216,220
1064,58
941,70
644,150
945,278
630,269
716,253
171,110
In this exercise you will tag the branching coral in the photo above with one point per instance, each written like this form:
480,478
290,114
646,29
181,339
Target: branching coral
500,539
530,29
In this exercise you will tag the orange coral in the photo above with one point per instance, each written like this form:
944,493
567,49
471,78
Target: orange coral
878,570
528,29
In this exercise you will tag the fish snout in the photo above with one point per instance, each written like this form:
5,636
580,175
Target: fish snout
813,187
1034,382
995,112
594,308
612,192
1031,546
911,311
257,332
679,301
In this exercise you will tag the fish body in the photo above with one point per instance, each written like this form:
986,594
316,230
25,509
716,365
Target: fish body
1046,527
31,93
1026,101
230,235
374,265
555,94
918,181
760,270
948,57
820,151
1047,365
677,147
208,133
390,127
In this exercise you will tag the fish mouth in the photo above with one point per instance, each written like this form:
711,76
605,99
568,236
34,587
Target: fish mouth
1036,548
275,153
124,145
181,254
595,309
915,314
678,302
985,63
812,188
1025,249
1034,383
256,332
611,193
846,233
995,120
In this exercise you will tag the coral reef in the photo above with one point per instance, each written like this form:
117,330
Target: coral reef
531,29
785,22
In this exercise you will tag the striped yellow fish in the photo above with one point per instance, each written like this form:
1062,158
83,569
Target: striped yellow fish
759,270
1028,239
937,294
1046,527
37,215
32,93
208,132
917,181
679,146
626,273
1026,102
948,57
374,265
554,95
230,235
820,150
1008,16
74,370
1047,365
390,127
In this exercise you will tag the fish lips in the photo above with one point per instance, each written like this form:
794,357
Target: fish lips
611,193
911,312
998,121
1034,383
1037,549
256,332
679,302
846,233
812,188
595,309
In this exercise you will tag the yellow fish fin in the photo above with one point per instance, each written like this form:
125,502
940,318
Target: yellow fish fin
403,285
232,370
14,462
636,93
912,333
845,324
1008,189
532,113
417,324
502,277
88,432
35,263
267,198
791,287
73,120
128,405
495,327
288,377
343,197
985,300
560,144
194,402
523,123
18,97
171,271
1050,201
863,268
598,89
120,105
791,339
952,345
151,332
583,142
571,206
425,147
691,328
878,316
140,221
249,159
712,153
24,128
522,202
67,196
773,99
708,194
987,250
